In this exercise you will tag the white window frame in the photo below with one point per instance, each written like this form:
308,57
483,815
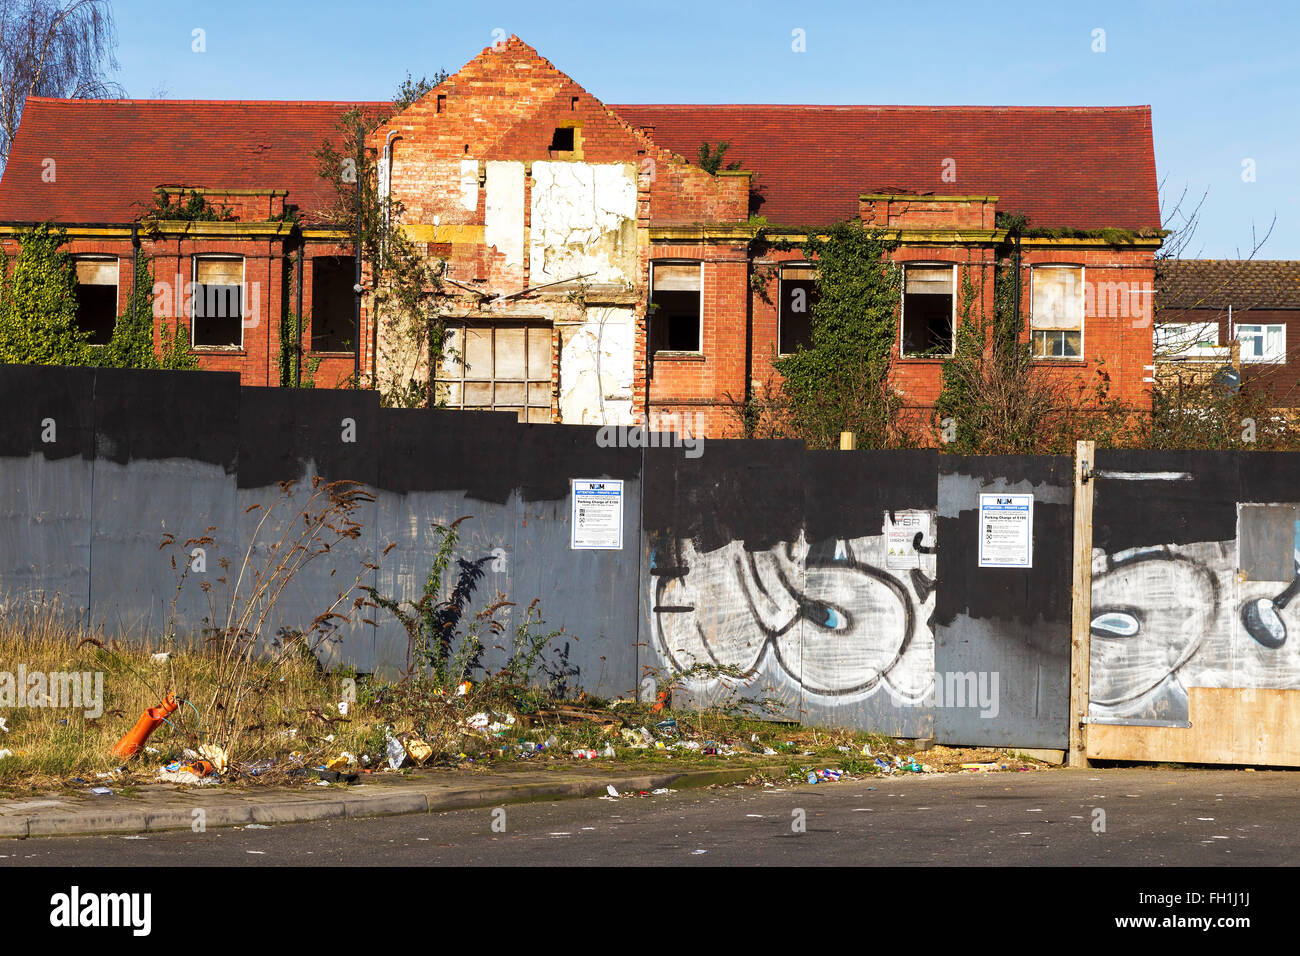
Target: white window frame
1185,341
243,296
780,299
1262,335
902,310
1083,318
681,262
117,279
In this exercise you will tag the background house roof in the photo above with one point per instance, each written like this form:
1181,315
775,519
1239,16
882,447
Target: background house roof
1219,283
1086,168
110,154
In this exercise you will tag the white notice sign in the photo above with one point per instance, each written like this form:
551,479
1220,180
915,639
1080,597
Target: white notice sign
597,515
1006,531
901,539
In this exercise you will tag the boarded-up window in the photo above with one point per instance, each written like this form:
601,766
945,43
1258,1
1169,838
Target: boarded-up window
333,304
798,292
500,367
928,310
675,302
217,311
97,298
1056,312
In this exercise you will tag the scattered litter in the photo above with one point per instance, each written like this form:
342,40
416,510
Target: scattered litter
149,721
256,852
101,791
197,773
866,750
396,753
256,826
662,790
4,726
479,721
585,754
6,753
162,657
698,852
343,708
611,790
608,751
216,755
463,688
418,751
343,764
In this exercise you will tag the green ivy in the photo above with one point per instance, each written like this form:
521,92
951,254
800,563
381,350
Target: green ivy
38,311
840,383
291,332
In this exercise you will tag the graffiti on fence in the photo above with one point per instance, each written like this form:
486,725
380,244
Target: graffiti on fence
831,622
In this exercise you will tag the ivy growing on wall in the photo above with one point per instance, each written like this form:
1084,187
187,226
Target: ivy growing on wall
840,382
291,333
38,315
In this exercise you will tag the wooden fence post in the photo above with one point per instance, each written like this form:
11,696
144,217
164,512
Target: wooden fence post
848,441
1081,611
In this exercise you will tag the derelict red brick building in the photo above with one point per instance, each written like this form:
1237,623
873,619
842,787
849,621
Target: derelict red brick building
593,272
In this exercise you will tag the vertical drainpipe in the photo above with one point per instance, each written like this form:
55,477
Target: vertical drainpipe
386,188
1016,340
302,264
356,288
135,256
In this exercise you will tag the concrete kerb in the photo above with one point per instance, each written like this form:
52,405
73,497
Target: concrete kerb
282,808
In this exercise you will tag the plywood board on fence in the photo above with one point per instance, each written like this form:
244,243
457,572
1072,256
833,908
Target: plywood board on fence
1229,725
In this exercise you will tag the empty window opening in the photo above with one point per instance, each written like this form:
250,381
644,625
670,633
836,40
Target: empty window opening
504,367
333,304
217,309
573,104
798,294
929,307
442,102
562,140
1262,343
97,298
675,307
1056,312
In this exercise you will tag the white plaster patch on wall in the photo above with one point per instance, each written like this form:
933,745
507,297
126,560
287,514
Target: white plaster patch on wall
583,221
503,217
596,368
469,184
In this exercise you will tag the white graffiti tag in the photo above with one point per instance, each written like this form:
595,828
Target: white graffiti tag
837,627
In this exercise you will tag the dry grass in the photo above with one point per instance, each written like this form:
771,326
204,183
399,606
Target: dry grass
51,744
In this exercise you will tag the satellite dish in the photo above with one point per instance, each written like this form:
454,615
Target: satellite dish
1228,379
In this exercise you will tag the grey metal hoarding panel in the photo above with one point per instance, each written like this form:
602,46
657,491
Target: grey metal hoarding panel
1002,656
46,476
319,441
590,593
866,628
165,458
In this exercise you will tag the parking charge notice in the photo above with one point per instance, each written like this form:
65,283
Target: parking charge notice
1006,531
597,515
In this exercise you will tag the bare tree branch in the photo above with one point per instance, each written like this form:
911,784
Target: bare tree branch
58,48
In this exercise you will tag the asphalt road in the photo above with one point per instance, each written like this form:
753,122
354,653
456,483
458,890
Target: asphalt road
1151,817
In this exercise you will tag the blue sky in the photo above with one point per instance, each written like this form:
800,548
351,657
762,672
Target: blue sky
1222,79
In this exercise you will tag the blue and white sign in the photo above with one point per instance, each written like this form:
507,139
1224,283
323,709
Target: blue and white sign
1006,531
597,523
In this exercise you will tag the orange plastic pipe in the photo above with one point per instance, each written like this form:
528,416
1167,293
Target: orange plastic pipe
149,721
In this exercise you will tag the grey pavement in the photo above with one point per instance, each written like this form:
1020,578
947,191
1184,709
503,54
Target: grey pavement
1152,817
